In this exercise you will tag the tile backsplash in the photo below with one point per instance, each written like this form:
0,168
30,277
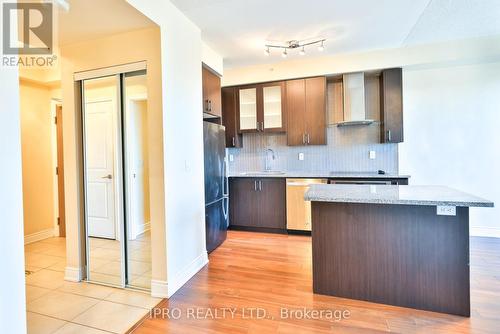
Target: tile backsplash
347,150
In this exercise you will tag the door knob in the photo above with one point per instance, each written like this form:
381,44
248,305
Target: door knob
109,177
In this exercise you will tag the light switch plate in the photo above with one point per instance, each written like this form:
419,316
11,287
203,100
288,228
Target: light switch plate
373,155
301,156
446,210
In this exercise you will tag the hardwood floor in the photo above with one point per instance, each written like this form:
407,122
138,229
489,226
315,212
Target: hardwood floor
274,272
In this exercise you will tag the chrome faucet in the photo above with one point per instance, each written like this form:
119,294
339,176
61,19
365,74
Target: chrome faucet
268,162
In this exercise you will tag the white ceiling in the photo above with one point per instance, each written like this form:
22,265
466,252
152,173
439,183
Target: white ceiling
238,29
90,19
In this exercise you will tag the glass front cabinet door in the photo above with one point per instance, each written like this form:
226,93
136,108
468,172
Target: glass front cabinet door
261,107
248,109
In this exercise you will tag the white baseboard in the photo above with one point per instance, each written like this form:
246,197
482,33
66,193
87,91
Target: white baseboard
159,289
141,229
180,278
34,237
56,231
492,232
73,274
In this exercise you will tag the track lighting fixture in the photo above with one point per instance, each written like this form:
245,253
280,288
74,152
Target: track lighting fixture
294,44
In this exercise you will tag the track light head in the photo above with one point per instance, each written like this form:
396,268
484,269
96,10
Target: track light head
321,47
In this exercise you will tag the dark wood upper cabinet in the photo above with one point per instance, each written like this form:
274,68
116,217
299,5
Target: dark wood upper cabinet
272,107
261,107
306,111
316,111
296,115
257,203
391,105
229,117
212,106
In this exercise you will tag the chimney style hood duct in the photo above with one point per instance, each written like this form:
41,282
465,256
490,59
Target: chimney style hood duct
354,100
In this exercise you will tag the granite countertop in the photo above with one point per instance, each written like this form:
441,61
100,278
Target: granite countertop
393,194
325,175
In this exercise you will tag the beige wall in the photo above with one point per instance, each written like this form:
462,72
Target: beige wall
38,171
134,46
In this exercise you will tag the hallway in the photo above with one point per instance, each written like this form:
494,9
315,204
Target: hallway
62,307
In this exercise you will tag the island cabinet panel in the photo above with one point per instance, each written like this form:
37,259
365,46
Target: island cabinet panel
257,204
306,111
230,119
391,105
403,255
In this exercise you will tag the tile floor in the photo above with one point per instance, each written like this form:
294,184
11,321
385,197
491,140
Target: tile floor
105,261
61,307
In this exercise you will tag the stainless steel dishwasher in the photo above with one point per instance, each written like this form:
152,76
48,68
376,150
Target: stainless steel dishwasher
298,210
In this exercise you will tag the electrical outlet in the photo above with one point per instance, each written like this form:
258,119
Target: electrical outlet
231,158
301,156
373,155
446,210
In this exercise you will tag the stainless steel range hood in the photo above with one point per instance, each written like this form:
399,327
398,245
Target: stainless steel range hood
354,100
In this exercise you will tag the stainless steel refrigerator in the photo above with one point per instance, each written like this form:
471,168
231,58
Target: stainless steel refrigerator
216,185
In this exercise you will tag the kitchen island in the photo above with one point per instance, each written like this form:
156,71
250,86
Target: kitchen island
398,245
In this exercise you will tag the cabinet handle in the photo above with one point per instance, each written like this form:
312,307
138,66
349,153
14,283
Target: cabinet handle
260,185
209,105
388,135
234,142
206,105
308,138
262,126
258,126
304,138
255,185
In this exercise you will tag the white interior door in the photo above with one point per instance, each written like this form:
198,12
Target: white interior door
99,151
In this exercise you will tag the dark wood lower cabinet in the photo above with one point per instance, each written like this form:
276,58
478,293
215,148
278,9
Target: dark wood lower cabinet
272,203
257,204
